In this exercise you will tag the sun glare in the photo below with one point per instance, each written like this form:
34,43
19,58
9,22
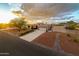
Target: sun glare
5,17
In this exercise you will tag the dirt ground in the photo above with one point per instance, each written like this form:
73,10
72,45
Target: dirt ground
48,39
68,45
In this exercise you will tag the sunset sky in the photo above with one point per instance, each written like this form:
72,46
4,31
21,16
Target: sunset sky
52,11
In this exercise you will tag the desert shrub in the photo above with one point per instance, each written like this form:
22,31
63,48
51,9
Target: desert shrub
76,40
71,25
68,35
26,32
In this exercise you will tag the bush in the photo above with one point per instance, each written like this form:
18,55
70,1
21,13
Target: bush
68,35
76,40
26,32
71,25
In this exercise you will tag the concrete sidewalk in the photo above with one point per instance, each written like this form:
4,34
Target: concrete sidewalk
31,36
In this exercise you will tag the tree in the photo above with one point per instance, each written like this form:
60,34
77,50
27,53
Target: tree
18,22
18,13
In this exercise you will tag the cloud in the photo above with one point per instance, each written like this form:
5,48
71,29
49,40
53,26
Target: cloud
50,9
15,6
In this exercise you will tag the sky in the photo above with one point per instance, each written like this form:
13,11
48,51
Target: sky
55,11
5,12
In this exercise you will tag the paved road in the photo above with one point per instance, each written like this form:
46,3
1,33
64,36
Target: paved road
31,36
